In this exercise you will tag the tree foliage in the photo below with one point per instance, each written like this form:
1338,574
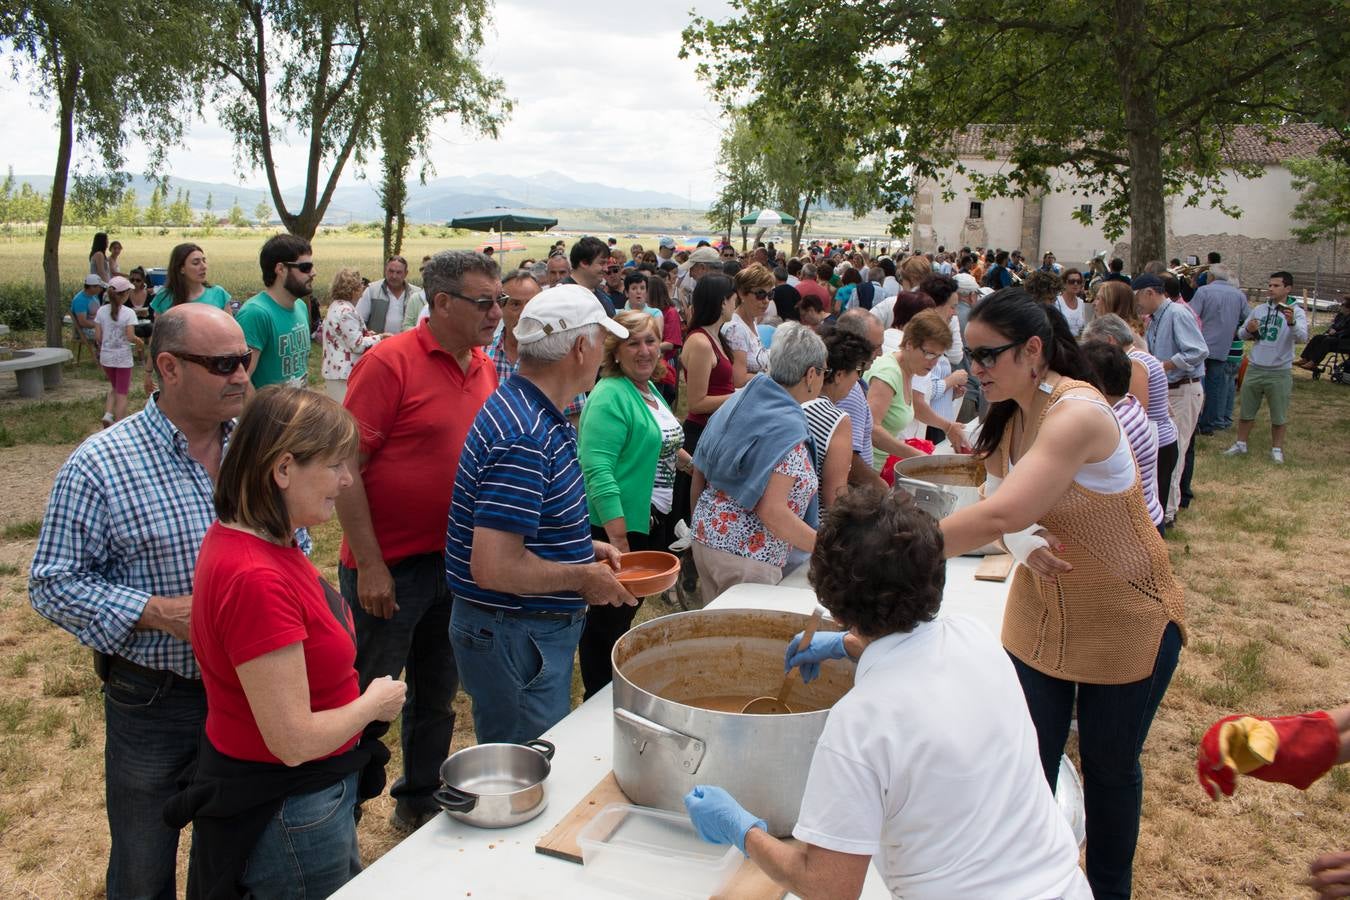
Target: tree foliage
431,74
1117,96
741,174
1324,205
324,69
101,66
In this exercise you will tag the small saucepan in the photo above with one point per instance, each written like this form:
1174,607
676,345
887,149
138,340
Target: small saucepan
496,785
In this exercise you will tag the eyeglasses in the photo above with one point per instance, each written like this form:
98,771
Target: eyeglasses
761,295
614,270
988,356
1073,281
929,357
223,366
305,267
484,304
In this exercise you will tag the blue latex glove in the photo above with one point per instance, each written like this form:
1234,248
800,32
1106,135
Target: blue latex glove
824,645
718,818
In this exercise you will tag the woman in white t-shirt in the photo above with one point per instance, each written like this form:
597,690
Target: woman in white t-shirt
1070,304
114,333
927,768
749,357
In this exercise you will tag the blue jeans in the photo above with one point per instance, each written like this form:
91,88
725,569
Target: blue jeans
1113,721
1220,390
153,724
308,850
517,669
1229,395
416,639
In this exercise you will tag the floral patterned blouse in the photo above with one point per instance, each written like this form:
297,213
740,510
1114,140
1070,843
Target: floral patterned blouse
345,338
723,524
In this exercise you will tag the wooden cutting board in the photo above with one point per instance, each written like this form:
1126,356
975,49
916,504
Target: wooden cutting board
749,882
994,568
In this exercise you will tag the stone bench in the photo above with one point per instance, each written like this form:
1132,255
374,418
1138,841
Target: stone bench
36,369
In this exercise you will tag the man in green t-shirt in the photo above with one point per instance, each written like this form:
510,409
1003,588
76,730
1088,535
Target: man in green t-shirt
276,326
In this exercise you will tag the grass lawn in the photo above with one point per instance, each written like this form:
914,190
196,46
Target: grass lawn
1262,553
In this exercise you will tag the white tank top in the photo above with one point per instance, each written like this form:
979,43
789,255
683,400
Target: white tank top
1117,472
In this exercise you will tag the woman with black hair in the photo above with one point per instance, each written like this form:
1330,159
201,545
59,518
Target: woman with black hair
1099,619
706,360
98,257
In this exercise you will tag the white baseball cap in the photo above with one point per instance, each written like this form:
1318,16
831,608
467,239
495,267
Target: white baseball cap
966,283
93,281
563,308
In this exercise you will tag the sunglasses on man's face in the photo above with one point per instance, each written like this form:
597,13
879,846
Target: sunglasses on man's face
614,270
1074,281
223,366
305,267
484,304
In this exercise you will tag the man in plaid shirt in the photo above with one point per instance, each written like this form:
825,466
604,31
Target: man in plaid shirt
114,567
521,287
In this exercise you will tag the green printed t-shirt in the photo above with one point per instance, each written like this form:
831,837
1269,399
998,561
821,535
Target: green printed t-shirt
281,337
214,294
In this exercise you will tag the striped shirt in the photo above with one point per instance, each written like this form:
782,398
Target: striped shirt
505,369
128,512
1139,431
822,418
860,420
518,473
1158,412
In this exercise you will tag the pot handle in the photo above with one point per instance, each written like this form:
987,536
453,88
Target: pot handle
542,746
646,735
454,800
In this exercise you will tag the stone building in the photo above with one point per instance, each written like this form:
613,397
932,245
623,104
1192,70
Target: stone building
1256,243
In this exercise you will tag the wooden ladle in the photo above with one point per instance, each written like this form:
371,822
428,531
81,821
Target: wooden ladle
777,706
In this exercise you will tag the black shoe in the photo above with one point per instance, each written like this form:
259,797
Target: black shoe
407,820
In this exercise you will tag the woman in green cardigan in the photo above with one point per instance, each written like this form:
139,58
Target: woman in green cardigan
630,445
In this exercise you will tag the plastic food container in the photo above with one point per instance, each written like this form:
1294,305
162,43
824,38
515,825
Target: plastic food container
647,852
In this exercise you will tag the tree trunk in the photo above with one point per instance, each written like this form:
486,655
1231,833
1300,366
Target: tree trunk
1148,215
56,211
398,234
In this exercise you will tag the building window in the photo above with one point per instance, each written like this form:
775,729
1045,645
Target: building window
1085,209
976,210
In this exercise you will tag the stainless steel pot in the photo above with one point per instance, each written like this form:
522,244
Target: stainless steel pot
941,484
496,785
663,746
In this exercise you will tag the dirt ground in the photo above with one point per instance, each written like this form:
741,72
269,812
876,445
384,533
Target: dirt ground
1262,553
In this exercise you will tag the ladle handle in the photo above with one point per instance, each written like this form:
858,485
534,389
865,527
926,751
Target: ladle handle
805,642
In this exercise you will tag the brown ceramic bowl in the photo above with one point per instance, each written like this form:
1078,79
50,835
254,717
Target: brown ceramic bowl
647,572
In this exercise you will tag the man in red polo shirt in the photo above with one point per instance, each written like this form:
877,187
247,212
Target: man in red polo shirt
808,286
415,396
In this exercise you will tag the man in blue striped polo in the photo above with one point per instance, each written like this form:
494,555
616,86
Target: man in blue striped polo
519,557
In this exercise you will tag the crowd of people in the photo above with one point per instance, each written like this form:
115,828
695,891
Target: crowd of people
492,441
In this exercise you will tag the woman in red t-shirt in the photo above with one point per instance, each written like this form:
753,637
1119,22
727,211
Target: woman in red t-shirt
276,647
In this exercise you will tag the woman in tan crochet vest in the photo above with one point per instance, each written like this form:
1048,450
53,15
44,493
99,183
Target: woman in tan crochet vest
1094,612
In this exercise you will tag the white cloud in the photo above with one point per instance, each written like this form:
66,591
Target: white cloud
599,97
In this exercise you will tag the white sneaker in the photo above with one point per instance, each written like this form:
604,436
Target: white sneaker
1277,455
107,419
1238,448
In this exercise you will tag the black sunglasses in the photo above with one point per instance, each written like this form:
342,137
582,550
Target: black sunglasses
1074,281
614,270
218,365
305,267
987,356
761,295
484,304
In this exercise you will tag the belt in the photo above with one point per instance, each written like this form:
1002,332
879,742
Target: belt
570,615
119,662
1172,386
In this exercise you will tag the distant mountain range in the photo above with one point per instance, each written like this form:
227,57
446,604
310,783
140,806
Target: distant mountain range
437,201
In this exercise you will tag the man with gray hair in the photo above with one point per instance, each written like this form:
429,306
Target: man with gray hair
809,286
114,567
519,557
1221,308
415,396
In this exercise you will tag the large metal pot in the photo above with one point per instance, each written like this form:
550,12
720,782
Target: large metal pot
941,484
663,745
495,785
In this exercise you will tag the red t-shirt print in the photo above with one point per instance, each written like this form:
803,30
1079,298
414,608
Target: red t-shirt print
251,597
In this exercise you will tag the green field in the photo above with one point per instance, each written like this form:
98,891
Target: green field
232,254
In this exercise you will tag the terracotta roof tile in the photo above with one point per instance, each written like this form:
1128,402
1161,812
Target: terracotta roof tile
1246,143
